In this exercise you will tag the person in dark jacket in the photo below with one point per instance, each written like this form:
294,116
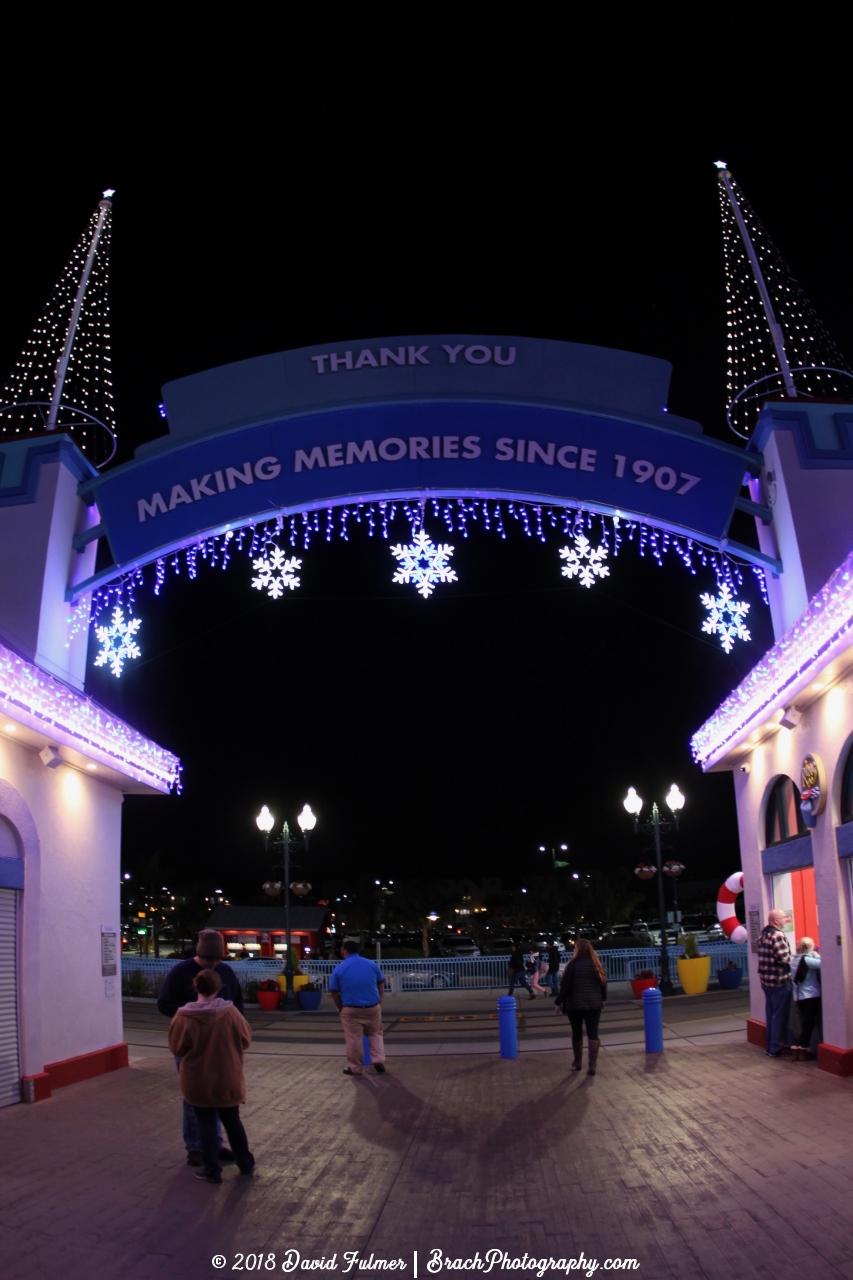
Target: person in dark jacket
177,991
516,972
583,992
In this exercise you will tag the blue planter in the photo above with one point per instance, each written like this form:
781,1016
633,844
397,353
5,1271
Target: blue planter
309,1000
730,979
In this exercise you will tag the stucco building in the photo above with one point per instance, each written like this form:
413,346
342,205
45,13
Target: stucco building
786,732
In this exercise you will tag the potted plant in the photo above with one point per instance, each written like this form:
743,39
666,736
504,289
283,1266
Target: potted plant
731,977
309,997
694,970
268,995
641,980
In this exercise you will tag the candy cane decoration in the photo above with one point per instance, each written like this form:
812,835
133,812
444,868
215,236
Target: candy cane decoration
726,914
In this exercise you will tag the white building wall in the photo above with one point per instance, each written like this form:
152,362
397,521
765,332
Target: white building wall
825,730
69,823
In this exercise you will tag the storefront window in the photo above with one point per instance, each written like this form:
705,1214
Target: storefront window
847,789
794,893
784,820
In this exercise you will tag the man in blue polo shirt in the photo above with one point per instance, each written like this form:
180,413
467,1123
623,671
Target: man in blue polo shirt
357,986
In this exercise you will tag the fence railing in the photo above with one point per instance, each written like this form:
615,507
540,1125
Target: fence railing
439,973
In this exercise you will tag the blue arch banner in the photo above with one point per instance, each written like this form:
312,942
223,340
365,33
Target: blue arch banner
490,417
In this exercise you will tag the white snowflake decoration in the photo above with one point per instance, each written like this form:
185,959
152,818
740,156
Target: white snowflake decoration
117,642
584,561
275,573
726,617
423,563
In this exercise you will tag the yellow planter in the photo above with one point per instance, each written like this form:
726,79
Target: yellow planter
694,975
300,980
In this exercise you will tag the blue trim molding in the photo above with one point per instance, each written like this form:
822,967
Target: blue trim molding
792,855
11,873
823,433
844,840
21,462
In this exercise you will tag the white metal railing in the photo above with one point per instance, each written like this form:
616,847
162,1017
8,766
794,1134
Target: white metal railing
438,973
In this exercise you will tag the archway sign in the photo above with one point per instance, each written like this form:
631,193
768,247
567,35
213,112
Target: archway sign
412,420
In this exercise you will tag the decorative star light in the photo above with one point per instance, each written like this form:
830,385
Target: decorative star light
117,642
423,563
726,617
275,573
584,561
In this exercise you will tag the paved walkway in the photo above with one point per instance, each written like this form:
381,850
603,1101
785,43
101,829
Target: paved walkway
465,1022
709,1161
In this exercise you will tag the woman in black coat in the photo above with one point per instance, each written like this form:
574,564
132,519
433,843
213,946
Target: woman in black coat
583,991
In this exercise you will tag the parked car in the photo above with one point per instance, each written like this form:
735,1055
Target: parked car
426,979
654,933
704,928
623,935
459,944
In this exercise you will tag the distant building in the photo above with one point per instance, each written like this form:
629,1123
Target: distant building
261,931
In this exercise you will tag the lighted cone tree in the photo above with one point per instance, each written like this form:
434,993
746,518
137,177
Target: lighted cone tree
62,380
776,342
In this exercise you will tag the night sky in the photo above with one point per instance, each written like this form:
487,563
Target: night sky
326,179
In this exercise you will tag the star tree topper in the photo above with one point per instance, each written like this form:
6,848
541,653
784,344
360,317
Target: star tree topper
584,561
275,573
424,563
726,617
117,642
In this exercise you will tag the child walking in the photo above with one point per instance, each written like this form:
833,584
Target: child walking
209,1037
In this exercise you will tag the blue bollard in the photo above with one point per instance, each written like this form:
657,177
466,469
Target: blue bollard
653,1019
507,1028
365,1046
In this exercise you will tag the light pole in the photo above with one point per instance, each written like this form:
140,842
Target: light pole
555,862
307,822
634,805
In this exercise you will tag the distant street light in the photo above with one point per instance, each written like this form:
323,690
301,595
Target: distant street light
307,822
634,806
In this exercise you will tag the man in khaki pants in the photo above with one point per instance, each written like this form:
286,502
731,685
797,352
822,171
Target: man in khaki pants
357,986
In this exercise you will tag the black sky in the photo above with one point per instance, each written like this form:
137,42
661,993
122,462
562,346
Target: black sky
332,174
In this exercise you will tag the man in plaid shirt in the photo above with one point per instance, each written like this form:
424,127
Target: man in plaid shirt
774,974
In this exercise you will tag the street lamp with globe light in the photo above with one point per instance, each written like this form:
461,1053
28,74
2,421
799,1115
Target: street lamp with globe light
307,821
634,805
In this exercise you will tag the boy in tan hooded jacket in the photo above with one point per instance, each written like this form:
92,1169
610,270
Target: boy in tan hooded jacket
209,1036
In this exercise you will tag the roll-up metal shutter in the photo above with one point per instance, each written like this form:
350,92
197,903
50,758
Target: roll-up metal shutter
10,1076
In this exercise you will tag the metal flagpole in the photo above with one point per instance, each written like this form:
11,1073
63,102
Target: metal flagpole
62,364
775,328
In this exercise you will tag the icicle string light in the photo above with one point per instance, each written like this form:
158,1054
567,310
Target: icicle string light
458,515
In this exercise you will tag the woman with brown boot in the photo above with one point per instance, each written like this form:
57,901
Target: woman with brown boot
583,991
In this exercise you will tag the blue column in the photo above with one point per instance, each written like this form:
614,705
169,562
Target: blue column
653,1019
507,1028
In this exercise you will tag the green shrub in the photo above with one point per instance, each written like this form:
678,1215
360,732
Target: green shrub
135,983
251,992
691,950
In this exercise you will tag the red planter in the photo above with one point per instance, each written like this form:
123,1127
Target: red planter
639,985
269,1000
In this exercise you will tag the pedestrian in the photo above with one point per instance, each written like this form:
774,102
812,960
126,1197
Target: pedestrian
208,1037
583,992
178,990
536,973
516,972
774,974
357,986
552,977
806,995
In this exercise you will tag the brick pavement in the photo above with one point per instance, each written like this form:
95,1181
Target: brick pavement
712,1162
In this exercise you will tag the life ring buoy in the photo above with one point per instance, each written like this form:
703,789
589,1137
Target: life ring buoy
726,914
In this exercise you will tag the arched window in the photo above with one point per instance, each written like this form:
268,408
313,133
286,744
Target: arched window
847,789
784,820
